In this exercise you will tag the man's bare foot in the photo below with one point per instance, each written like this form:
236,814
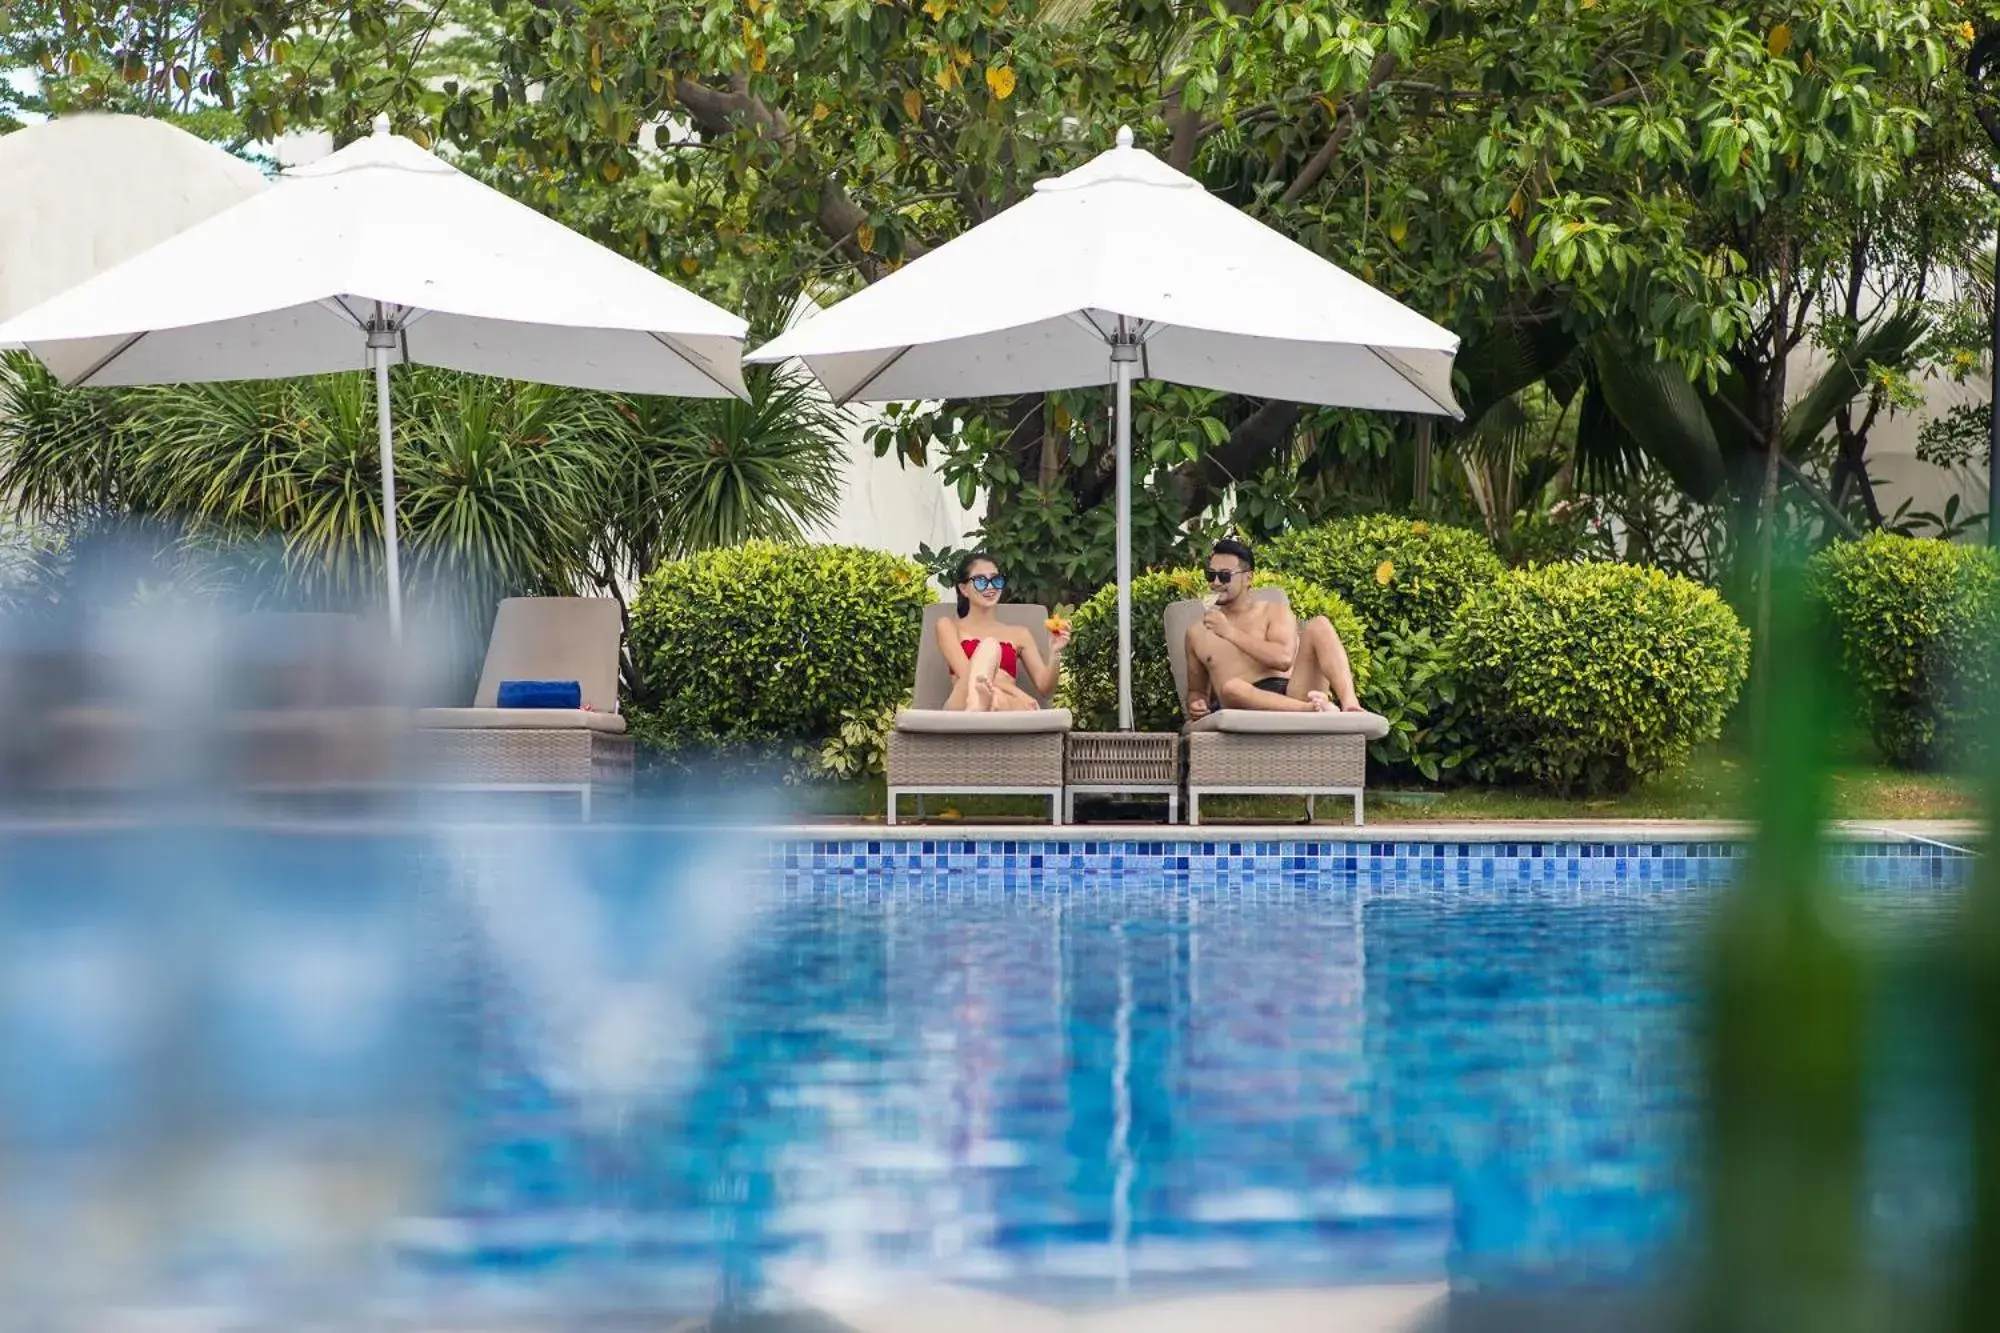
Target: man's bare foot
1319,701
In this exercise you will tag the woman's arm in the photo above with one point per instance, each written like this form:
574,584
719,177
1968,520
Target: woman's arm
951,647
1044,674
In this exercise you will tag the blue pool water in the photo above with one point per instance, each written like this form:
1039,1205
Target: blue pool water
677,1069
1078,1071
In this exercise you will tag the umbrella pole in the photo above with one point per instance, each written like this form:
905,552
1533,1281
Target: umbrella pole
390,561
1124,355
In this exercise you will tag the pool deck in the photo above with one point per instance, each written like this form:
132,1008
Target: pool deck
920,1307
1953,833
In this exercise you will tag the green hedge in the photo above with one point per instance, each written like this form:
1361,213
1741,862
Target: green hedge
1090,669
1593,677
768,643
1916,620
1397,573
1416,689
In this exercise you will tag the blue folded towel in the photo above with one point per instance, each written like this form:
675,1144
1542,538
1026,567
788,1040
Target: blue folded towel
540,694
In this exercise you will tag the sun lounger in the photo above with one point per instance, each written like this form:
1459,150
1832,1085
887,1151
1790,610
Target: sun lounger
195,706
1253,752
310,707
582,750
934,751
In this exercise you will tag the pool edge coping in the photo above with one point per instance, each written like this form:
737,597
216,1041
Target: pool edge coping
1948,835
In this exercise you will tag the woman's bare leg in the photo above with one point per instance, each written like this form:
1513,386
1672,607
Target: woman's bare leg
985,662
1321,666
1009,697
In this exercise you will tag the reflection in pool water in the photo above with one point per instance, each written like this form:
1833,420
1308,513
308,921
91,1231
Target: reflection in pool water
644,1071
1078,1085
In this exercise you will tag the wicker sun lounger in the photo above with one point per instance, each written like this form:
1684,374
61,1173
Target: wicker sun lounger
933,751
269,703
1252,752
585,750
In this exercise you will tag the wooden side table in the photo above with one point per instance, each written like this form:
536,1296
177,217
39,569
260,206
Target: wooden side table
1122,763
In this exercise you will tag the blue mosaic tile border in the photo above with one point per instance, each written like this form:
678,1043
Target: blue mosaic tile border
1888,864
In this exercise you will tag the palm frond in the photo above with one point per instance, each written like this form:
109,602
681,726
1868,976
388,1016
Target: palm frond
1886,341
1507,358
1606,453
60,449
768,468
1660,413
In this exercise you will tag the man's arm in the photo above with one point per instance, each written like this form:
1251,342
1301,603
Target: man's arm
1275,645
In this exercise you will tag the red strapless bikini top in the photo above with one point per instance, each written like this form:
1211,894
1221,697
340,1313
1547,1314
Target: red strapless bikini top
1008,659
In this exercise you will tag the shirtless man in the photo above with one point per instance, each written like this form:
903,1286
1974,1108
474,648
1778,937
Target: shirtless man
1246,654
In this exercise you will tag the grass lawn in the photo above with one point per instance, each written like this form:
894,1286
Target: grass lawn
1711,786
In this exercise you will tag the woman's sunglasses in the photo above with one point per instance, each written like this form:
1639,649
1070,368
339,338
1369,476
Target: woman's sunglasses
988,582
1223,575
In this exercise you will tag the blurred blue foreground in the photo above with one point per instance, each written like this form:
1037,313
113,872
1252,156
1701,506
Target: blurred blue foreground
458,1073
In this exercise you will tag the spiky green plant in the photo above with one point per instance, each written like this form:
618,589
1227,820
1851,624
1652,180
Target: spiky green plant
502,488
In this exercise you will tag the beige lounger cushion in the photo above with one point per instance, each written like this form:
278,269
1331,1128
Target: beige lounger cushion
519,719
927,712
1180,616
933,686
554,638
938,721
545,638
1257,722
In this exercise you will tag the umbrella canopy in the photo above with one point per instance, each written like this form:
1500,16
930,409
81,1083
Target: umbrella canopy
1027,302
83,192
384,234
383,252
1126,261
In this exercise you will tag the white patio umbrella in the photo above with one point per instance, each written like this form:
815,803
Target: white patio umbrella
384,253
1127,258
82,192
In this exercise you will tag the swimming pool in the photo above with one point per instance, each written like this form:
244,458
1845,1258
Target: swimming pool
681,1068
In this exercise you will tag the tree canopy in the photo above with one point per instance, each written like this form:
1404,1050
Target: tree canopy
1616,203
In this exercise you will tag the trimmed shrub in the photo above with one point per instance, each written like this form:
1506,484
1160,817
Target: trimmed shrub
1430,739
1090,668
766,644
1593,677
1916,620
1397,573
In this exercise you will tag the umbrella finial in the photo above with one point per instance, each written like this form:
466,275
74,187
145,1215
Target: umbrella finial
381,122
1124,136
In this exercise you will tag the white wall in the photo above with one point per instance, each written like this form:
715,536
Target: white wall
1892,442
891,505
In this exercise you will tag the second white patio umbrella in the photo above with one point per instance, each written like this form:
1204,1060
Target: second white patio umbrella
1128,259
384,253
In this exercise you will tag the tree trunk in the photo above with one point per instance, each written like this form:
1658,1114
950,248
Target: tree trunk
1853,466
1422,484
1768,405
1253,440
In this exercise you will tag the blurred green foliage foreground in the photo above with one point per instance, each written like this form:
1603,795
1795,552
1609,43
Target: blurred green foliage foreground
1790,1037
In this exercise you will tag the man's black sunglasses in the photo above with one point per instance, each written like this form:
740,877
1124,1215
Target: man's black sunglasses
1224,575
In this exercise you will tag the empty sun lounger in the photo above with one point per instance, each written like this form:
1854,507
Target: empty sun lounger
582,750
934,751
1252,752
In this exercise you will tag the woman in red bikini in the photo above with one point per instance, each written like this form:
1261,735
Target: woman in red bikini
985,656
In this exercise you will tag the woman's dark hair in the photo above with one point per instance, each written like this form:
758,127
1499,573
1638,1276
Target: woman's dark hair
965,572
